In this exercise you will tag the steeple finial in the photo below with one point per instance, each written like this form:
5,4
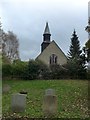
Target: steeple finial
47,31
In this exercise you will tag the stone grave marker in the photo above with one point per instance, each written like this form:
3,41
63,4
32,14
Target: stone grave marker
18,102
49,103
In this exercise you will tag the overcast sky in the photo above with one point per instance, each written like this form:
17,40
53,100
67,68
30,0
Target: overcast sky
27,19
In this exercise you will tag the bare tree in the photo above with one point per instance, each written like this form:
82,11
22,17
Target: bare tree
11,46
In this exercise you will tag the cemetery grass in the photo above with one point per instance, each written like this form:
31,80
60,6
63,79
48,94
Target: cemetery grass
72,98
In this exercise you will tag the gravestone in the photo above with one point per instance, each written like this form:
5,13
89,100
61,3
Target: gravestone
5,88
18,102
49,103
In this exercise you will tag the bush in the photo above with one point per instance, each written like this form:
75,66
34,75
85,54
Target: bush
32,70
44,71
58,72
36,70
76,70
18,69
6,70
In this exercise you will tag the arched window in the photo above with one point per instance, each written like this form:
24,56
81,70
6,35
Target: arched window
53,59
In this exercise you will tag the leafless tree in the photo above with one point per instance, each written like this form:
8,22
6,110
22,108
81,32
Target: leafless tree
11,46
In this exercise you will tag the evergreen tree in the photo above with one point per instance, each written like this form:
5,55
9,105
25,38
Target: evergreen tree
76,62
74,51
87,47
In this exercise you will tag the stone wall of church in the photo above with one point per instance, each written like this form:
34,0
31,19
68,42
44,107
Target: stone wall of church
52,49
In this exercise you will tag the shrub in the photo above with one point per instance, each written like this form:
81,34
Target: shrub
76,70
36,70
32,70
18,69
44,71
6,70
58,72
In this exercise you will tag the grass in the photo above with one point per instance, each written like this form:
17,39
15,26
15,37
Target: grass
72,97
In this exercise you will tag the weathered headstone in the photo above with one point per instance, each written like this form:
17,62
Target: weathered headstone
50,103
5,88
18,102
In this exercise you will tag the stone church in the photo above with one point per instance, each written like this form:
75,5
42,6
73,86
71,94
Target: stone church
50,51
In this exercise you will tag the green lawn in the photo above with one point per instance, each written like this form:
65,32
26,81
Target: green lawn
72,97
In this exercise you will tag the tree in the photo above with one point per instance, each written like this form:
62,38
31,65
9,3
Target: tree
74,47
76,69
76,59
87,48
10,46
1,38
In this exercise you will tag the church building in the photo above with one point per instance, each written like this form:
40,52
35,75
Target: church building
50,51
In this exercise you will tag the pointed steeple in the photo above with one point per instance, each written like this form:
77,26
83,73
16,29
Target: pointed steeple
47,31
46,35
46,38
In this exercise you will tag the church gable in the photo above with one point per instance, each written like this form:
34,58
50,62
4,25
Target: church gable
52,54
50,51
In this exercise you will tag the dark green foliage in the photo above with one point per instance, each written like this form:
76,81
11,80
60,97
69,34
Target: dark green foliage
75,69
76,60
18,69
32,70
87,49
6,70
74,47
44,71
58,72
36,70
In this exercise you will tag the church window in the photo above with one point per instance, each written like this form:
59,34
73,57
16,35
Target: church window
53,59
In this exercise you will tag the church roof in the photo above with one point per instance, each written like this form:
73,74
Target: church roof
47,31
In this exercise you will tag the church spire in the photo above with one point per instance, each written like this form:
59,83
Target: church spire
47,31
46,35
46,38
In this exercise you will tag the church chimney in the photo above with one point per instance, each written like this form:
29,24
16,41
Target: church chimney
46,38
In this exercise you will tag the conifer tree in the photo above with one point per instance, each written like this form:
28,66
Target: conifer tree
87,47
76,65
74,51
